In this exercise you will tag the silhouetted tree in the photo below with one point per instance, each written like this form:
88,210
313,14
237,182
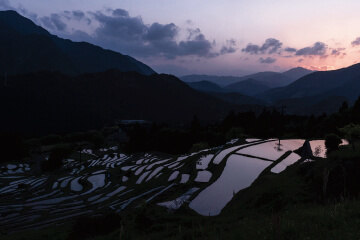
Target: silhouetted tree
352,133
332,141
343,107
356,111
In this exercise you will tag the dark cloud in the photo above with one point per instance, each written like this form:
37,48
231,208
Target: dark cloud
270,46
289,49
198,46
300,60
129,34
267,60
251,48
76,15
120,13
58,23
356,42
162,32
53,22
318,49
120,26
338,52
79,15
46,21
230,47
5,5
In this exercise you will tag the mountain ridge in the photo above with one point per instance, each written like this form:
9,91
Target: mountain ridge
337,82
265,77
19,36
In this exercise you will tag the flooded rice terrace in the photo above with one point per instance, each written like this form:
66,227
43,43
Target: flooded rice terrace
119,182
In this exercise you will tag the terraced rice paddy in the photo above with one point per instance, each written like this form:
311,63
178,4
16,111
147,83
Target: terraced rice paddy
119,182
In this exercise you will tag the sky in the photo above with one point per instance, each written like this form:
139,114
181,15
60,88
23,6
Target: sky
228,37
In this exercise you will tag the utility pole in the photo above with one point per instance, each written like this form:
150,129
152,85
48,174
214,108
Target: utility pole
282,120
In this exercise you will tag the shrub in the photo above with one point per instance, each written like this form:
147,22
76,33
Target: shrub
332,141
59,153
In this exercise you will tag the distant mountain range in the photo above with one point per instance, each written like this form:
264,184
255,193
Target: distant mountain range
271,79
251,85
318,92
313,93
26,47
342,82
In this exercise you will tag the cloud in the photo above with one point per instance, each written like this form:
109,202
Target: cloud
118,30
318,49
300,60
58,23
120,12
162,32
230,47
356,42
54,22
119,25
76,15
5,5
270,46
338,52
289,49
79,15
267,60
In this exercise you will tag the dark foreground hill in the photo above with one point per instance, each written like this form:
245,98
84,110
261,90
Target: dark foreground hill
48,102
26,47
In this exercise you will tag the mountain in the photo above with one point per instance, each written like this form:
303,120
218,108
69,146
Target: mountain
227,95
250,87
254,83
270,79
205,86
237,98
219,80
343,82
26,47
48,102
296,73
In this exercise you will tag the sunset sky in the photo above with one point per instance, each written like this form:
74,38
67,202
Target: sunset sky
228,37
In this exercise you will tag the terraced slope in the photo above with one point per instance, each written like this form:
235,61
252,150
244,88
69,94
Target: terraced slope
205,181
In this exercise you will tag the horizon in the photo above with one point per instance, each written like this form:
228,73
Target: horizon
200,41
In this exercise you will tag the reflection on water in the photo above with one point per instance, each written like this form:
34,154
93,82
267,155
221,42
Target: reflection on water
319,149
239,173
270,150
